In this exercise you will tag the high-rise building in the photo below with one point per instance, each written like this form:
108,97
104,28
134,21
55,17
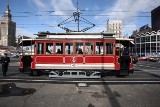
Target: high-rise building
7,29
115,26
155,18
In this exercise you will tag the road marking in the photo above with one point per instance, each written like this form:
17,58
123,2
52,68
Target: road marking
148,66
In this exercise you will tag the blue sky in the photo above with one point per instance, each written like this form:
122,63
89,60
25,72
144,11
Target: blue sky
32,16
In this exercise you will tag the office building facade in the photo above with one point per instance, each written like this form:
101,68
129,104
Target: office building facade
155,19
7,29
115,26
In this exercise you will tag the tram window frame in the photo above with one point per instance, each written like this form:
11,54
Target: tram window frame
38,50
79,50
99,49
49,52
61,48
111,50
69,51
89,48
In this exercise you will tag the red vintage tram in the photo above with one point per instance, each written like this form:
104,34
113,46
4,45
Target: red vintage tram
76,55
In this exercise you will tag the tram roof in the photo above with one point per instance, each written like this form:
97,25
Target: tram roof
73,35
76,35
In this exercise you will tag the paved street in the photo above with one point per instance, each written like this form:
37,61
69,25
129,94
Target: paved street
140,89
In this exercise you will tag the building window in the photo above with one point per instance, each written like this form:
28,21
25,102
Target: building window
137,40
142,48
158,37
153,38
158,47
142,39
148,47
147,38
153,47
138,48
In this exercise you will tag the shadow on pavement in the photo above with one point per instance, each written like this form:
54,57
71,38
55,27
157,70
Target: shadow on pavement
111,95
11,89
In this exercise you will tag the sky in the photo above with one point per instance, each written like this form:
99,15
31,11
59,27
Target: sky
32,16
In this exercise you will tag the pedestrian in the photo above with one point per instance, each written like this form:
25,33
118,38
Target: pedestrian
5,62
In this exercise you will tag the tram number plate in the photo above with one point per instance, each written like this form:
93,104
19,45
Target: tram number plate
73,65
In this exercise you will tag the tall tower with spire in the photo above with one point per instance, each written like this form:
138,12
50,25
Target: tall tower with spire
7,14
7,28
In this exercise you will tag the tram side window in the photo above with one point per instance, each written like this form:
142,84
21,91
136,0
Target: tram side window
49,48
89,48
79,48
59,48
40,48
68,48
109,48
99,48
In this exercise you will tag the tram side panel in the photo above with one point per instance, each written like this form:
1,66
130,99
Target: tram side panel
56,62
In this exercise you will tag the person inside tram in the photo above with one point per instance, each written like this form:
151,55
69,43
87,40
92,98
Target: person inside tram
125,51
47,51
79,51
89,50
58,51
118,50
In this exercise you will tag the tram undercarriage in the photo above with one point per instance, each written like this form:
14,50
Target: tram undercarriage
75,74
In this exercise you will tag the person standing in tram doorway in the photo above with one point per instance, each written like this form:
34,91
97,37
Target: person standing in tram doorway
5,62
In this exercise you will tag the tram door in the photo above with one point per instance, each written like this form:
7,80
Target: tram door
27,51
26,63
124,57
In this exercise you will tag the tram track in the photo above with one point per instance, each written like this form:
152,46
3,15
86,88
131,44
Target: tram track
88,81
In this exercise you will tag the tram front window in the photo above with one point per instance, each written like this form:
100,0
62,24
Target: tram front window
49,48
68,48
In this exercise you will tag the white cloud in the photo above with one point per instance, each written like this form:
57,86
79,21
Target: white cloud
24,32
40,4
61,5
134,6
129,28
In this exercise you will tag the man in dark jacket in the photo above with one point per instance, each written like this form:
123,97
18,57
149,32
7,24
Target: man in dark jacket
5,62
